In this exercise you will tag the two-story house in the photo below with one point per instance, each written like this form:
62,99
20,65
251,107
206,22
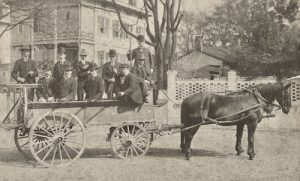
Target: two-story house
80,24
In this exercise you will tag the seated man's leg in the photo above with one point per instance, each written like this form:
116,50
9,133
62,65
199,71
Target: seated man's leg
143,87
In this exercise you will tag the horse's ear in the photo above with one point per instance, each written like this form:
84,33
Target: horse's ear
287,86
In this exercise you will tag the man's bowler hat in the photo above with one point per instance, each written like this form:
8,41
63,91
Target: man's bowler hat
25,48
141,38
82,52
112,53
61,50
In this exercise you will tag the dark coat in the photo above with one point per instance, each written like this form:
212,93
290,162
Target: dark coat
94,87
132,89
58,69
44,89
108,73
149,63
65,88
140,72
82,73
21,69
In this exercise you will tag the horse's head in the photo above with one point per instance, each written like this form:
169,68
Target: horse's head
283,97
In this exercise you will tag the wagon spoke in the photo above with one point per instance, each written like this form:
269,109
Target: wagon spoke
133,129
60,155
25,144
138,148
40,142
47,154
66,151
46,121
61,122
54,123
39,151
127,151
67,124
137,133
133,147
41,136
45,130
73,142
72,148
123,131
79,134
53,157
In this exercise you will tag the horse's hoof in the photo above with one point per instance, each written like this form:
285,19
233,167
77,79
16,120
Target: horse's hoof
251,158
187,158
240,152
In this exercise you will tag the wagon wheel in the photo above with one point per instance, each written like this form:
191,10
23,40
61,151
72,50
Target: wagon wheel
21,137
57,139
130,140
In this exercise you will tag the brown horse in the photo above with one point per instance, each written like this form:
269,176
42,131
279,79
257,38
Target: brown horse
206,108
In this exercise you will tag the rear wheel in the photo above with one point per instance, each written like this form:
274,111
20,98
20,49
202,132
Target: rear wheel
60,139
21,137
129,141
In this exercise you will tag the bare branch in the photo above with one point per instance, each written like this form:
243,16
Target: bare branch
178,11
149,33
123,25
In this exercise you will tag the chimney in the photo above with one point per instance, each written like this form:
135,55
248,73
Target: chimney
198,43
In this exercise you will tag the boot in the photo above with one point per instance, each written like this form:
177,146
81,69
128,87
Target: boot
155,95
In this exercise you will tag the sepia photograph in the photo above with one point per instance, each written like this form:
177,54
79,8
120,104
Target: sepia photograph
150,90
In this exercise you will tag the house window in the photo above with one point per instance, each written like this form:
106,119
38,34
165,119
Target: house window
132,2
20,28
101,58
116,28
103,23
123,33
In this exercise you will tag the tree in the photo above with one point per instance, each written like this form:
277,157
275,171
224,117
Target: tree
261,31
20,12
162,32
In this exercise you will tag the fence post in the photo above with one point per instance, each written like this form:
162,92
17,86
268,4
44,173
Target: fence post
171,75
232,80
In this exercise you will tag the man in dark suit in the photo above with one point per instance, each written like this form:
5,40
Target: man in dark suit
65,89
141,72
94,85
44,93
132,55
110,74
82,70
58,69
131,91
25,70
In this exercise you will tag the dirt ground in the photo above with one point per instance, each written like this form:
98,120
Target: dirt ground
214,158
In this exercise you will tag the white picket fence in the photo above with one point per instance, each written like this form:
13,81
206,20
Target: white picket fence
179,88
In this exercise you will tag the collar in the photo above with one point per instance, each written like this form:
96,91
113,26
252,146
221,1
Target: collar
83,62
25,60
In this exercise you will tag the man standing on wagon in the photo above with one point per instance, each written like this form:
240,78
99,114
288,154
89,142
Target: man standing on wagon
132,55
58,69
25,70
82,69
110,74
94,85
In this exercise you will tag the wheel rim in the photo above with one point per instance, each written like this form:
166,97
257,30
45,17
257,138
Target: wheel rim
60,139
21,137
130,141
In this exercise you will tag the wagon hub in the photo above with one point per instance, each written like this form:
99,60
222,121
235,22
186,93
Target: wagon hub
128,143
57,140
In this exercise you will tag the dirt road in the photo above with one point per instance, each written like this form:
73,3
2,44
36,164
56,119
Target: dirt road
278,158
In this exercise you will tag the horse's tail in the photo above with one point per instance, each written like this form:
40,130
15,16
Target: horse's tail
183,118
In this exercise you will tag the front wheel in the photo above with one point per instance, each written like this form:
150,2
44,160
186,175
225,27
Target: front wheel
57,139
129,141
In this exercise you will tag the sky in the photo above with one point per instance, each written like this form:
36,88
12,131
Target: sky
206,6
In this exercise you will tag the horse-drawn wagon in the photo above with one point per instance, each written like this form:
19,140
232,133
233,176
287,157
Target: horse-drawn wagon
54,133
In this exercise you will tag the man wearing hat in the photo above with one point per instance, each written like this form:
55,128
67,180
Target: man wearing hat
58,69
94,85
25,70
44,93
111,74
131,92
140,71
65,87
82,68
149,64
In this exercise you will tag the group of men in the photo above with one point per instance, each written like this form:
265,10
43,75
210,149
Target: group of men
129,83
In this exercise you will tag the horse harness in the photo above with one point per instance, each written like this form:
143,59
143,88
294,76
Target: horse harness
262,102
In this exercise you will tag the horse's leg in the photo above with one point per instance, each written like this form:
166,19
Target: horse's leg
239,135
182,140
188,140
251,132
